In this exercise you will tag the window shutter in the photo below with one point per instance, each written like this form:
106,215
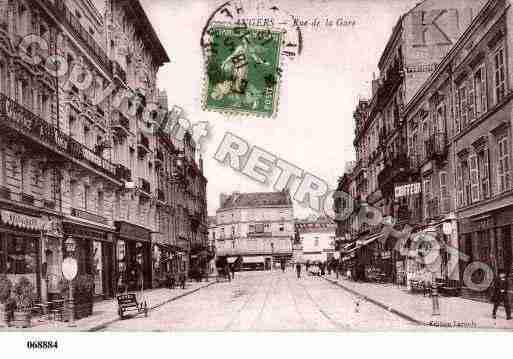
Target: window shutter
474,178
444,193
459,184
456,112
470,100
485,174
484,97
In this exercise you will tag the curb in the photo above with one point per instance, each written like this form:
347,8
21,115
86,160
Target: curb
378,303
172,299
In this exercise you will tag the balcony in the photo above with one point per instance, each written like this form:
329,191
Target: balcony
160,195
144,186
436,146
27,198
117,71
397,167
5,192
123,173
120,124
74,26
15,117
432,209
143,145
88,216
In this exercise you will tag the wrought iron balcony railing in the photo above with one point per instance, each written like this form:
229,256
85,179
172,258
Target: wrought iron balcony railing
143,145
88,216
118,71
23,121
120,124
436,146
123,173
144,185
74,25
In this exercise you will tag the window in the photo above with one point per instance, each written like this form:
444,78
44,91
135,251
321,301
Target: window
461,106
503,164
499,77
445,205
222,233
480,90
25,176
21,255
86,197
474,178
282,227
99,204
427,196
470,101
316,242
484,173
251,228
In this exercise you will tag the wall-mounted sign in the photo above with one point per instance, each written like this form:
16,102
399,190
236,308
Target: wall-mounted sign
408,189
21,220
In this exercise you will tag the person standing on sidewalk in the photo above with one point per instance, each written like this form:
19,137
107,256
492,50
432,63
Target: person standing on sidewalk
500,295
298,270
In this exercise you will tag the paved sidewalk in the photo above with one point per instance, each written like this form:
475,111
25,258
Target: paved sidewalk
455,312
106,312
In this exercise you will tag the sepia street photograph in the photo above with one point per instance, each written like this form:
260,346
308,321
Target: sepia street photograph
255,166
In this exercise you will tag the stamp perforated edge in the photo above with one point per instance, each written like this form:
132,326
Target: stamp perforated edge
232,112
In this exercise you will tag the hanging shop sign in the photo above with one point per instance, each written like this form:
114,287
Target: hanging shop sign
21,220
409,189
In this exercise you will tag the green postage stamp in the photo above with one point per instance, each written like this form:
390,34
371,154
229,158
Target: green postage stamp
243,70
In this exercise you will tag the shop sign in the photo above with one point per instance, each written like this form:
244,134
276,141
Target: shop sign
133,232
406,190
21,220
84,232
69,268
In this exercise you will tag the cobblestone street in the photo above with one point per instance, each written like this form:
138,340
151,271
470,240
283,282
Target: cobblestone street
265,301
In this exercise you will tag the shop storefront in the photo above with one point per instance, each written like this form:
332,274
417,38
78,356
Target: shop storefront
133,257
94,255
487,239
20,247
161,263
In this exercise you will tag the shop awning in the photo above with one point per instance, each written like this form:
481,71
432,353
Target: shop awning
257,259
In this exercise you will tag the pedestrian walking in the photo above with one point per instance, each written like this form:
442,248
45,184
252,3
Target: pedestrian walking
298,270
500,295
283,265
232,268
323,268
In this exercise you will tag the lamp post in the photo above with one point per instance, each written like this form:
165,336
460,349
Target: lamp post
70,271
272,256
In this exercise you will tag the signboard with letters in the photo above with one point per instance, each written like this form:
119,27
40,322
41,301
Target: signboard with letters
408,189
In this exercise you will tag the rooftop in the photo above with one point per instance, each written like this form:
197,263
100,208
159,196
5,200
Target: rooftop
256,199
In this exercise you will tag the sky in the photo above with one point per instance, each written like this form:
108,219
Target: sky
314,127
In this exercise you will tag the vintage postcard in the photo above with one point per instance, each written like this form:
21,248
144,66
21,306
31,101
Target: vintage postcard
255,166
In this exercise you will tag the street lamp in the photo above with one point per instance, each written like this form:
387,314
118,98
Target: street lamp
272,256
69,270
70,245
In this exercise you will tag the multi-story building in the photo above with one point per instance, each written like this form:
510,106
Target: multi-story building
413,51
317,238
257,226
79,161
461,123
